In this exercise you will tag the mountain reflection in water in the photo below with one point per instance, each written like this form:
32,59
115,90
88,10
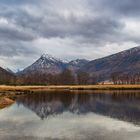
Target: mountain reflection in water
120,105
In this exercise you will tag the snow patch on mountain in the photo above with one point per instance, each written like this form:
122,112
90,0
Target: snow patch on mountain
49,58
49,64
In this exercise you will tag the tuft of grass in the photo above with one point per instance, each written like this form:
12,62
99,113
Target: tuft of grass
5,102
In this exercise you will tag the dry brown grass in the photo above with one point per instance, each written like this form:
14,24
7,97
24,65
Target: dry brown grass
10,92
4,102
70,87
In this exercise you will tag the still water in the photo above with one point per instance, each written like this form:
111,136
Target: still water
65,115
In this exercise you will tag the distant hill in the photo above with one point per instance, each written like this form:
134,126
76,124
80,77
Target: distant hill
9,70
125,62
5,76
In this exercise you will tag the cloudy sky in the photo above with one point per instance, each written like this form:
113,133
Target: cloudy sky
66,29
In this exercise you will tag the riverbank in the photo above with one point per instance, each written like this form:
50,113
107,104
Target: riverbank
4,88
8,98
5,102
8,94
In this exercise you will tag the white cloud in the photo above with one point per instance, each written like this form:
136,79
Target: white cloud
66,29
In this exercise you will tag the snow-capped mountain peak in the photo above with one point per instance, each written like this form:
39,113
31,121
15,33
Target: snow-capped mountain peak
52,65
49,57
46,64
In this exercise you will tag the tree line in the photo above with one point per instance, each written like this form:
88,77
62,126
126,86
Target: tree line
129,78
66,77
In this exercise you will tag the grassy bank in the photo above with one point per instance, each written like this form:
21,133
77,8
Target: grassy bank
10,93
4,102
7,98
69,87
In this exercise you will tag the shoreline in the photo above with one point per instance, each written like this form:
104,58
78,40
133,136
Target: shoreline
5,102
8,94
5,88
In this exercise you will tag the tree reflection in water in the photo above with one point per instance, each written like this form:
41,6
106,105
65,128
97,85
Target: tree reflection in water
119,105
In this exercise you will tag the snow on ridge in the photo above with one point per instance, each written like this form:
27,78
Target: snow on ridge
77,61
51,58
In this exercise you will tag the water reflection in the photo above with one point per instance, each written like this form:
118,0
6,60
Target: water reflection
120,105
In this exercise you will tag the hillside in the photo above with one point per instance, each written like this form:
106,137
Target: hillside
45,64
125,62
50,65
5,76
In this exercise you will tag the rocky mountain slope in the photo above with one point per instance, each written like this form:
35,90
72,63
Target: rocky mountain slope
125,62
51,65
5,76
75,65
45,64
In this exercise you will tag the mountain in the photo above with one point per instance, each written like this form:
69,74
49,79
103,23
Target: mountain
125,62
4,72
75,65
45,64
51,65
9,70
5,76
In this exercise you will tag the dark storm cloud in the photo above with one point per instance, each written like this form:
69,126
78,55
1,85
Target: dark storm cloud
88,28
10,49
15,33
48,24
53,24
16,2
119,7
